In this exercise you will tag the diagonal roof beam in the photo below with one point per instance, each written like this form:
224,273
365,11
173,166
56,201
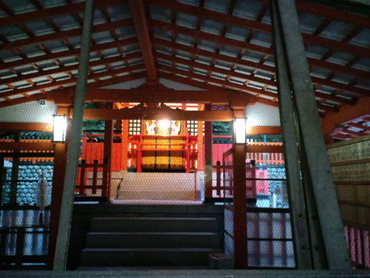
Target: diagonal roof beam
259,26
346,113
222,83
142,30
67,93
233,86
247,77
331,13
258,66
65,34
251,47
47,13
62,69
68,53
64,82
210,87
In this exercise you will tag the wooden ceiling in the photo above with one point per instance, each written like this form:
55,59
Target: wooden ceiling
224,46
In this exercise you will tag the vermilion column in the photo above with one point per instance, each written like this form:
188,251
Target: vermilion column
208,156
60,159
108,145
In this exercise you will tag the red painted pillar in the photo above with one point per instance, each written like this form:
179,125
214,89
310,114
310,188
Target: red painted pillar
124,145
60,159
200,142
107,170
240,207
208,154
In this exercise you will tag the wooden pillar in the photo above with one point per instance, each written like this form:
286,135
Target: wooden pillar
2,179
60,159
65,219
201,153
297,200
124,127
15,170
108,145
124,145
208,157
240,207
313,149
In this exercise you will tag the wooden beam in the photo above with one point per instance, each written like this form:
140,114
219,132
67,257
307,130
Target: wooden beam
270,130
23,146
332,13
258,67
346,113
190,80
269,82
312,142
51,12
297,200
259,26
176,114
68,53
250,47
43,73
138,11
13,127
264,148
244,87
59,83
75,137
65,34
163,94
65,96
226,84
240,207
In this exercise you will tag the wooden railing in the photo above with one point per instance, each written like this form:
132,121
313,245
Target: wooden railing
94,173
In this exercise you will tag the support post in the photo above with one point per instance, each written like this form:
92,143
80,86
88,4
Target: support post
124,146
299,220
15,170
108,145
312,141
57,190
208,156
200,143
2,179
240,207
60,261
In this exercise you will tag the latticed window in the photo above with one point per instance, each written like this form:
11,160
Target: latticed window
134,127
192,127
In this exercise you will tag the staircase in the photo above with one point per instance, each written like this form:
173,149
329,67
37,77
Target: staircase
153,240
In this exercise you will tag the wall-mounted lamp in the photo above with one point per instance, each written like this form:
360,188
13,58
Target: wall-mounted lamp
240,128
60,124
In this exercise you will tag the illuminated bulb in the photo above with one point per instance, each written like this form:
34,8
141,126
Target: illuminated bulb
240,130
60,124
164,124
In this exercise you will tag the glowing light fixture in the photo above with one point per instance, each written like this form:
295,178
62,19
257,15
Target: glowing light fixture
60,124
240,128
164,124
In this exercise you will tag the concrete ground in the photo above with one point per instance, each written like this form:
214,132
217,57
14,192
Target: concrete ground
166,273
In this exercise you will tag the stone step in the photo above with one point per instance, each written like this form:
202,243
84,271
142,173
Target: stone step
153,240
156,195
145,256
154,224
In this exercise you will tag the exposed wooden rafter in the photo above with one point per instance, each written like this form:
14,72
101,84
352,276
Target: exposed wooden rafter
346,113
138,11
